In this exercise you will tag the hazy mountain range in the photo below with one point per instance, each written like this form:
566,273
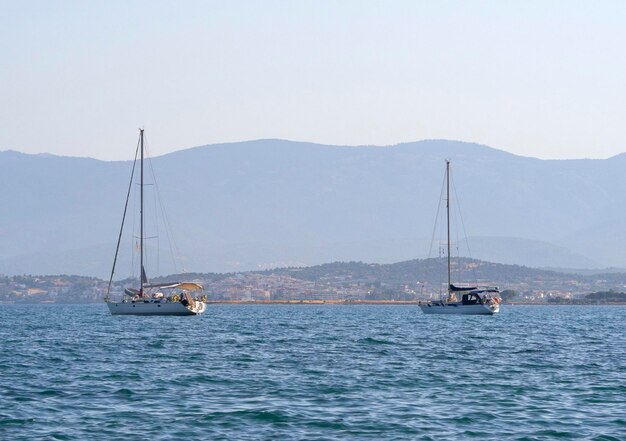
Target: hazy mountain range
268,203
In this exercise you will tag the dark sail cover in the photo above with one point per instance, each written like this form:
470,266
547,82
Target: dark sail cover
144,278
462,288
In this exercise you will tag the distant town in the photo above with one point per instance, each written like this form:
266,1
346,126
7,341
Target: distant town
409,281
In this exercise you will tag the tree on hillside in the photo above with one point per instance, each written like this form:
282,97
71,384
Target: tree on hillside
508,294
607,296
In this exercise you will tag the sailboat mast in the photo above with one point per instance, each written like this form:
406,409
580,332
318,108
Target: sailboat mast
448,216
141,219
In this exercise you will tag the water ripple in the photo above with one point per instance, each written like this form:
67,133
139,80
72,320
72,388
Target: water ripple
250,372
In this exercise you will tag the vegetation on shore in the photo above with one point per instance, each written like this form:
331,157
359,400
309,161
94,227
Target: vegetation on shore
348,282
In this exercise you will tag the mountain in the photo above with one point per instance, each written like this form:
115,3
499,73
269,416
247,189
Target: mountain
532,253
270,203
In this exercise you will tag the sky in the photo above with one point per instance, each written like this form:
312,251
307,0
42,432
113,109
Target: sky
535,78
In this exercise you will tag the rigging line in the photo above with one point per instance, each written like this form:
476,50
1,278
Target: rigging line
153,215
119,238
156,224
437,222
441,261
455,215
432,239
171,240
174,251
134,245
158,240
469,251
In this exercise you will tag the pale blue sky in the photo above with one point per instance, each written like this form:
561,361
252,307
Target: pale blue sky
536,78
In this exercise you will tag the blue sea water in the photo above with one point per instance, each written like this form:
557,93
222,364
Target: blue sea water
323,372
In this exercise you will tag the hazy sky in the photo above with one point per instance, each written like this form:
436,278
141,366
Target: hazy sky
536,78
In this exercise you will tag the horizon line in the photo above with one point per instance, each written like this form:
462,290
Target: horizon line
352,146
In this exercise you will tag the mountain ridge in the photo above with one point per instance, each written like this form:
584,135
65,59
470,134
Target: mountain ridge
300,143
247,205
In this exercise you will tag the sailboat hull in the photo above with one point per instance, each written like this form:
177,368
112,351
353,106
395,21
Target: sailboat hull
459,309
155,308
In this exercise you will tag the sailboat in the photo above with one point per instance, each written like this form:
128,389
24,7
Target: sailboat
173,298
466,300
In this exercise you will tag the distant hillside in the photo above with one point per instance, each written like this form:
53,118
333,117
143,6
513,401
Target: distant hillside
272,203
404,281
407,280
433,272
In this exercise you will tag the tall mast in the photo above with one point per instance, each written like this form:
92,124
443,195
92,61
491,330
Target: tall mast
141,219
448,215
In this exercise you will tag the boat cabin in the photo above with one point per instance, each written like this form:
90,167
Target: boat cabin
472,298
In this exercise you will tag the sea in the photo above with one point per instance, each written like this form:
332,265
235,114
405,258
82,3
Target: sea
313,372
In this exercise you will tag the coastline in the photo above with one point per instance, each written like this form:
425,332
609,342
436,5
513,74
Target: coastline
327,302
383,302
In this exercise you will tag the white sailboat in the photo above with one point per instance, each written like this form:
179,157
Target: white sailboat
152,299
466,300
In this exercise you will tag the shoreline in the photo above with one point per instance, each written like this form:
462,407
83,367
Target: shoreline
383,302
330,302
